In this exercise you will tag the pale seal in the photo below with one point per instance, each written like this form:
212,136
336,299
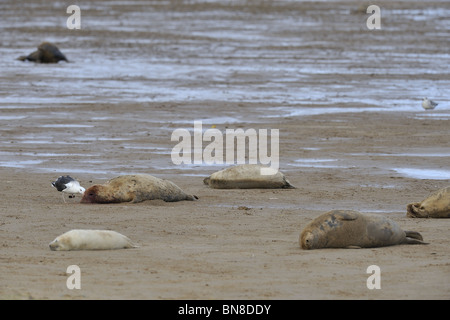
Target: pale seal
437,205
46,53
135,188
351,229
79,239
248,176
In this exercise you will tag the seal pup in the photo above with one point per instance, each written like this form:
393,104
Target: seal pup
351,229
67,184
46,53
437,205
248,176
135,188
80,239
428,104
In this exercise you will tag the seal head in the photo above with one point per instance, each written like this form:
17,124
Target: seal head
437,205
98,194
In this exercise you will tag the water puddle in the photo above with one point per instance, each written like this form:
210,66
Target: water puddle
379,186
440,154
67,125
315,163
433,116
211,121
20,163
432,174
151,150
12,117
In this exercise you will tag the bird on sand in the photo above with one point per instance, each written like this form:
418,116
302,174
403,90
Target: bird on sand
428,104
67,184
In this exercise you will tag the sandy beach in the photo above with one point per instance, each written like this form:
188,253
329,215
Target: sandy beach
352,135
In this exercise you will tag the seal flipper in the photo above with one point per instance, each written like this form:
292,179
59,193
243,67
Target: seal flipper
131,244
287,184
413,237
191,197
413,212
35,57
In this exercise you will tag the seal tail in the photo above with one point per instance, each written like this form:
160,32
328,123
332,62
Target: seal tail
192,198
287,184
413,237
132,245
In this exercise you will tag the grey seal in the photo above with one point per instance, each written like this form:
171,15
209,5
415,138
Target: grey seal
135,188
352,229
248,176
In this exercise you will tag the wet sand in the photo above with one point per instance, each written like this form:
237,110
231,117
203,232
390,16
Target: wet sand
353,135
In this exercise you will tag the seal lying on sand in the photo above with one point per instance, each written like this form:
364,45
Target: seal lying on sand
46,53
248,176
437,205
351,229
79,239
135,188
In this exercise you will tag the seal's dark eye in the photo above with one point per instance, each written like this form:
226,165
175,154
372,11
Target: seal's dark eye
91,194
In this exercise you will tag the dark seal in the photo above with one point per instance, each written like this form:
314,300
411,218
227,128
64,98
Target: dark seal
46,53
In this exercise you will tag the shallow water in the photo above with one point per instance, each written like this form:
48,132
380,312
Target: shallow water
284,58
157,52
